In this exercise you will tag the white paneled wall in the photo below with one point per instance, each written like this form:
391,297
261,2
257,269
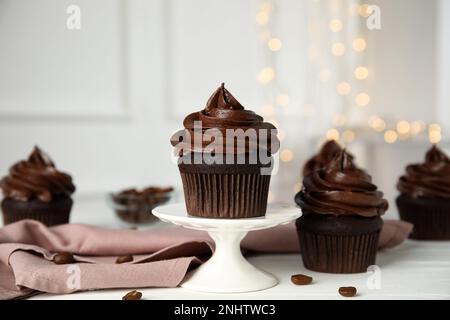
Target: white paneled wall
443,67
49,71
104,100
91,97
209,43
404,58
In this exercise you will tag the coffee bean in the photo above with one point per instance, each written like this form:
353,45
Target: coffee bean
63,258
347,291
132,295
301,279
123,259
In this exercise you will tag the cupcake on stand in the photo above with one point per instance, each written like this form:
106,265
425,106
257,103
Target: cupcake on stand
226,157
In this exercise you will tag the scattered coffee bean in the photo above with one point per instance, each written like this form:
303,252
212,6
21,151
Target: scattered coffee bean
301,279
123,259
63,258
347,291
132,295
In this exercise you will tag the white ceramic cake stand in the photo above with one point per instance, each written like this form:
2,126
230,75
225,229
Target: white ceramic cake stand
227,271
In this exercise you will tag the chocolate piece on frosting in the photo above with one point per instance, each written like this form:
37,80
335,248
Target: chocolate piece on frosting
428,179
223,112
36,178
222,99
340,188
323,157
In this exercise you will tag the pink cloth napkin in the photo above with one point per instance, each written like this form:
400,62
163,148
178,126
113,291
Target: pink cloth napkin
161,257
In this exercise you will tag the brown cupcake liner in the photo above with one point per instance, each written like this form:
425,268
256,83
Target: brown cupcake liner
338,254
228,196
47,219
430,217
336,244
50,214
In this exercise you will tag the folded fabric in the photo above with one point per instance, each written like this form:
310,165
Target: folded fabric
161,257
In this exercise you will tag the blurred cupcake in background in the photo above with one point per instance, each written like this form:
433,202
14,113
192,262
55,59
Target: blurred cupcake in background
340,225
323,157
424,198
35,189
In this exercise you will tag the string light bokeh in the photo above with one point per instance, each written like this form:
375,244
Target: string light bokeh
391,130
349,72
276,98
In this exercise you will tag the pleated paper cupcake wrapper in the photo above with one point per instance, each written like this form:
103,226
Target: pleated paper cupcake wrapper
431,220
49,219
338,254
228,196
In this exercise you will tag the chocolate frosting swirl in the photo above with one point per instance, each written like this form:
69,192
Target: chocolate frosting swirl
340,188
428,179
36,178
222,112
323,157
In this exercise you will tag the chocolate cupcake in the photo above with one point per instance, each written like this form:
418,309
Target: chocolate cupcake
323,157
340,225
424,198
225,159
35,189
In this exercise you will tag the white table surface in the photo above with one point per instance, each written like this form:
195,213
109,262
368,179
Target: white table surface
414,270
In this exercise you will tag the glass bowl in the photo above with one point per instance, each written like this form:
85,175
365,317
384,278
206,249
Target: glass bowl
135,207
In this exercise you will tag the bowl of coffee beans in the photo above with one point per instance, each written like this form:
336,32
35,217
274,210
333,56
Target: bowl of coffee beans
134,206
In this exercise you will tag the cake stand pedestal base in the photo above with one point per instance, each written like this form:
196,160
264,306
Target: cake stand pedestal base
227,271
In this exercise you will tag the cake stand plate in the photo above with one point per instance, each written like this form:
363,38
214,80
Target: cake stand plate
227,271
